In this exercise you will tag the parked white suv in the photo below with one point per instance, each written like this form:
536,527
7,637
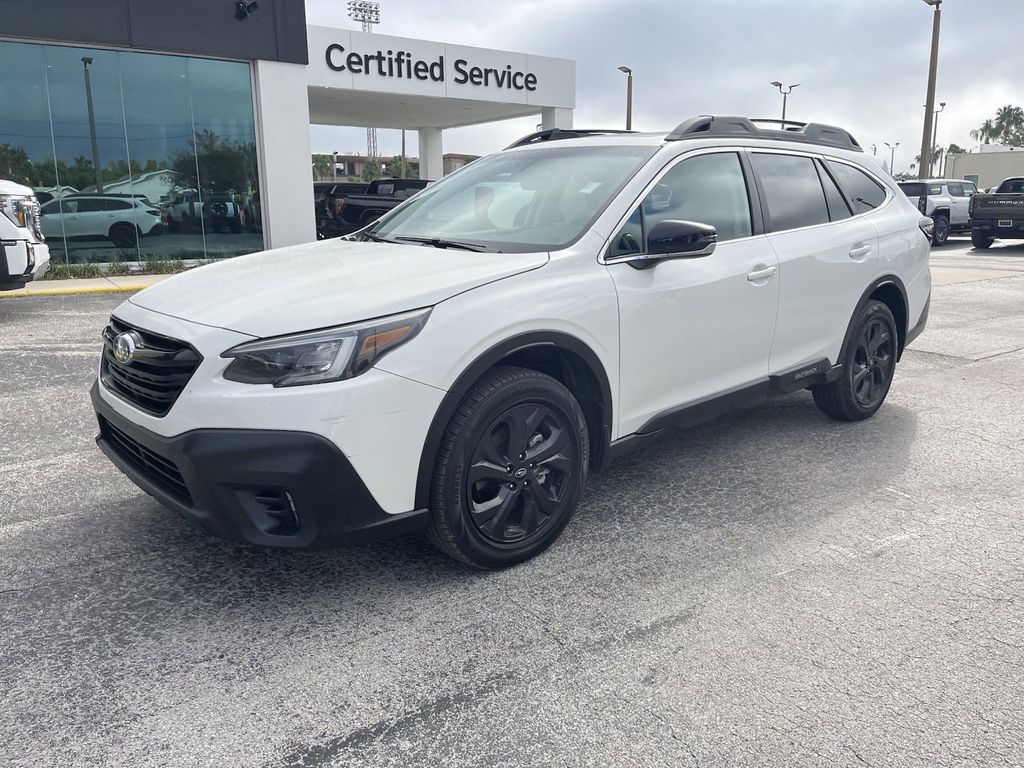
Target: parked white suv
458,367
24,256
946,201
122,219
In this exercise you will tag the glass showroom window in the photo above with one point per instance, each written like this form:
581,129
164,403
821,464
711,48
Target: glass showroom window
147,156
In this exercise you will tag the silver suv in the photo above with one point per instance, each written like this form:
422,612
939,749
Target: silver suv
946,201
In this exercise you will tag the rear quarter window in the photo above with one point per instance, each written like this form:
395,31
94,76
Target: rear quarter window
912,189
862,192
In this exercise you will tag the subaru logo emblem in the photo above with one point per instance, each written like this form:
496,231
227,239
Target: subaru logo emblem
124,347
521,473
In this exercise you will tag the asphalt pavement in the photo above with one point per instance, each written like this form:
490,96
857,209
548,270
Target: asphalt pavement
774,589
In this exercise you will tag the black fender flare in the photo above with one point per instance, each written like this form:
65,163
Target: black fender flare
877,283
451,401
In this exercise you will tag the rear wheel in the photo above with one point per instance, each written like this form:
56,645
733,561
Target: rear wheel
510,470
941,232
124,235
980,239
868,367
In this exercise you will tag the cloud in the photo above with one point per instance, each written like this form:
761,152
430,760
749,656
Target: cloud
861,64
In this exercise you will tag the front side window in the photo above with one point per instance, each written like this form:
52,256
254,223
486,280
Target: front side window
707,189
538,200
792,189
956,190
862,192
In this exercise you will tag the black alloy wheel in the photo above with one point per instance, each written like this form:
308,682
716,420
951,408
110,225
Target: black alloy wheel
509,470
871,368
519,474
869,363
940,234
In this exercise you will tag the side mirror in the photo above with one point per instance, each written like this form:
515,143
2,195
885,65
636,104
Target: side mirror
681,239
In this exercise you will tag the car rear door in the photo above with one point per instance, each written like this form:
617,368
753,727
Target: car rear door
692,328
827,254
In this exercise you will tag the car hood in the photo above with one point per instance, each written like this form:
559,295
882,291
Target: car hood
323,284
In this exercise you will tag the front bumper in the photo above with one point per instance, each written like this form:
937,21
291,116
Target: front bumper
271,488
21,262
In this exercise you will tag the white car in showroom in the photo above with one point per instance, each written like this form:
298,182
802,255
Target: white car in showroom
122,219
459,366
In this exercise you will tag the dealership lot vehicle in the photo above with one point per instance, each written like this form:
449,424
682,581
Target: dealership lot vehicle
344,213
998,215
122,219
946,201
462,365
192,210
23,254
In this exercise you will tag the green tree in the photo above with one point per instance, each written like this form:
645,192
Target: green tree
220,164
15,165
400,167
323,166
371,169
955,149
1007,127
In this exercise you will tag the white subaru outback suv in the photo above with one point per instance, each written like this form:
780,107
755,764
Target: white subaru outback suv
460,365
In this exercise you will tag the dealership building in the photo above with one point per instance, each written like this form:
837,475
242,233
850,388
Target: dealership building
143,117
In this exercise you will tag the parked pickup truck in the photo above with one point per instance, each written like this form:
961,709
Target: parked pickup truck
211,211
347,214
24,255
999,215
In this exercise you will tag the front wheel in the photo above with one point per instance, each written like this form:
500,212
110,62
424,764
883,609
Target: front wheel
981,240
510,470
868,367
940,234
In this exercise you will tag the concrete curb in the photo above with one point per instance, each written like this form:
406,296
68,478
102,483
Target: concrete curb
69,291
82,286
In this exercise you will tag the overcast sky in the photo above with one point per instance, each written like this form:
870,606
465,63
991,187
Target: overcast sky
861,64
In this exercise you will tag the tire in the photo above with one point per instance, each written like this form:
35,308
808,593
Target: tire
981,240
124,235
515,507
941,232
866,375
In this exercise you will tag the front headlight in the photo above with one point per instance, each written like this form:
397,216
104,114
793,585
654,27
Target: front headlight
22,210
318,356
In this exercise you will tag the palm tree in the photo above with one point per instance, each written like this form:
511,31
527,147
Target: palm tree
322,166
955,149
986,133
1009,121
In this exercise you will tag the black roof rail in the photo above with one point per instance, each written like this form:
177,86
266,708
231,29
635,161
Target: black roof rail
557,134
708,126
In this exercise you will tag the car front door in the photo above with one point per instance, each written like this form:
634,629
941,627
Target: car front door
958,204
827,255
693,328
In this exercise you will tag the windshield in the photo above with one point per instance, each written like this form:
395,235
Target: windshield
539,200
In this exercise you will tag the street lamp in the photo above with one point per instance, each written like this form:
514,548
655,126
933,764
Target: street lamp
935,130
892,157
929,108
785,94
367,13
629,96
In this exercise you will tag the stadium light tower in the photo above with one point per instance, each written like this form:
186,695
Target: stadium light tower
367,13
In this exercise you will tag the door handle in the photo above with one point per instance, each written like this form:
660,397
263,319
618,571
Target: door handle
760,272
860,251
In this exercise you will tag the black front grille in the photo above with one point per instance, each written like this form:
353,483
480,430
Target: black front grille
162,472
157,373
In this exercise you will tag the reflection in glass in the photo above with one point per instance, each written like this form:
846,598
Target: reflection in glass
143,156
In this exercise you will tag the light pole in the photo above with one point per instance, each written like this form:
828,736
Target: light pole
367,13
785,94
86,61
929,107
892,157
935,129
629,97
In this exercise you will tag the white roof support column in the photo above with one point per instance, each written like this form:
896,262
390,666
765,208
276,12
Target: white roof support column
431,154
555,117
286,174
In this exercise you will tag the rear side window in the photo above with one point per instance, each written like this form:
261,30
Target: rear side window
792,190
837,207
862,192
115,205
956,190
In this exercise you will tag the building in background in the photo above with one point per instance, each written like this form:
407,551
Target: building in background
454,161
988,167
203,102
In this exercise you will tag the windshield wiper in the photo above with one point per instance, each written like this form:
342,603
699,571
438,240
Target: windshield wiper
438,242
376,238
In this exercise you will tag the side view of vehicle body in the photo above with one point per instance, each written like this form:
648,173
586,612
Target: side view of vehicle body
193,210
344,214
122,219
945,201
24,256
999,215
460,366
